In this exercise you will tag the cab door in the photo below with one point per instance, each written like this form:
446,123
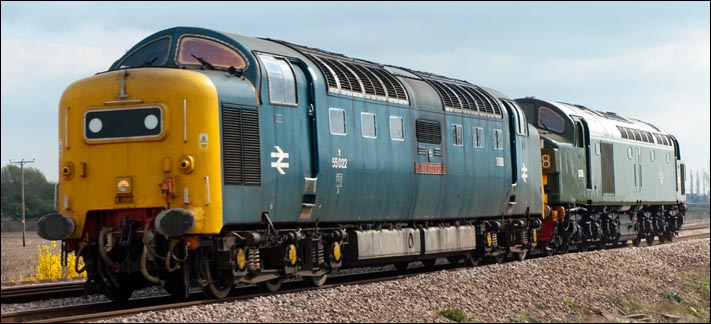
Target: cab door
287,100
526,163
582,140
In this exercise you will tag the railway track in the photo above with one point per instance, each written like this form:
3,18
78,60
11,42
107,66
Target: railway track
28,293
106,310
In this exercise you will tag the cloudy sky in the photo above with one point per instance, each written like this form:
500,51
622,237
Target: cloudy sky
645,60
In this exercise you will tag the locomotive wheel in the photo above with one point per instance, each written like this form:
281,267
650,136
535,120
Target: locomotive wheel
520,256
600,244
662,238
272,285
118,294
175,283
454,259
545,250
317,281
636,241
499,258
472,259
219,284
401,265
563,249
122,287
429,262
669,235
650,239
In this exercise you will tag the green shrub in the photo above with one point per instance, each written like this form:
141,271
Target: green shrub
672,296
454,315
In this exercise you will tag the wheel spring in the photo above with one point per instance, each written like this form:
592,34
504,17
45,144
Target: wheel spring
494,239
523,237
253,260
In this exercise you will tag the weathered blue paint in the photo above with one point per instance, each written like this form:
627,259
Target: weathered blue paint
378,182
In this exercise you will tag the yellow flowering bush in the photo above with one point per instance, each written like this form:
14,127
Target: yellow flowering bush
50,266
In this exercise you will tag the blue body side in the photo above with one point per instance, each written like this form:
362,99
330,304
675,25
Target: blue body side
359,179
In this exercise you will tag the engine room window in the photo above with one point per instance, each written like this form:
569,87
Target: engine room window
498,139
337,121
550,120
478,137
193,49
152,54
457,135
397,128
367,125
282,86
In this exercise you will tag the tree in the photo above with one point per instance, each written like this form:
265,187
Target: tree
39,193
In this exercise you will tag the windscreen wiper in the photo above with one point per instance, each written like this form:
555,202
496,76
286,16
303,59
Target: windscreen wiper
150,63
203,62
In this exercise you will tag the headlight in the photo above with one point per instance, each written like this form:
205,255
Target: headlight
95,125
151,121
123,185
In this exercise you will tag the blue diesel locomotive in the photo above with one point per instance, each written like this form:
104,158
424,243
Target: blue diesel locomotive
203,158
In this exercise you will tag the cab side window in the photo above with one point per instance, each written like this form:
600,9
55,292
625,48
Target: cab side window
282,84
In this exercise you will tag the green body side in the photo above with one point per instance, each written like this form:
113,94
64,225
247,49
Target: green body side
595,165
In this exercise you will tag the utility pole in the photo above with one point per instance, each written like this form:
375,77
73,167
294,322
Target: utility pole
22,186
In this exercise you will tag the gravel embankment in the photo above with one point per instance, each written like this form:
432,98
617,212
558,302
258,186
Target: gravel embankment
545,288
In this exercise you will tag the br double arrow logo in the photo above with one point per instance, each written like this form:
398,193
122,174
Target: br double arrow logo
280,156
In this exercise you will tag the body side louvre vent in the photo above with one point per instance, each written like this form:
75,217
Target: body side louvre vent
241,146
428,131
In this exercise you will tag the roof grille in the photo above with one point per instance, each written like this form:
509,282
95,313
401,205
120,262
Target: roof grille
492,102
355,77
352,78
371,84
327,71
644,136
465,98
